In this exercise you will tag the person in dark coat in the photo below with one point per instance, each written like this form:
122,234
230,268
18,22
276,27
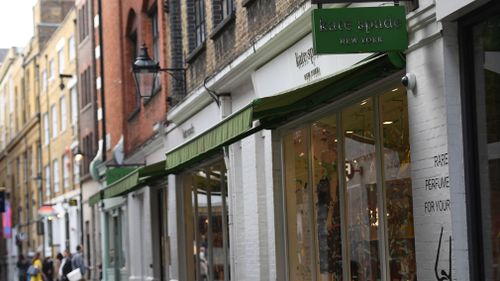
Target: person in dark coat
65,266
22,267
48,269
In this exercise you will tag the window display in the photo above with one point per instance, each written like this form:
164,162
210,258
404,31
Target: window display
210,231
360,201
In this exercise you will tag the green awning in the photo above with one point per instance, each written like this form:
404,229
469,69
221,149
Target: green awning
275,110
226,132
270,111
135,178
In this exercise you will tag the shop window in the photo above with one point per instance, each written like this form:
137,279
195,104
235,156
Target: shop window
482,99
208,234
347,185
116,237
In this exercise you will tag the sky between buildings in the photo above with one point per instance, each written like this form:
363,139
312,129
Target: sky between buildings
16,22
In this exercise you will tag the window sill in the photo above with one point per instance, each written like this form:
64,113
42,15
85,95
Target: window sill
195,53
247,3
134,114
148,100
217,31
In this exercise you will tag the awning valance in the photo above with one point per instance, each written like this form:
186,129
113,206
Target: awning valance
129,181
227,131
275,110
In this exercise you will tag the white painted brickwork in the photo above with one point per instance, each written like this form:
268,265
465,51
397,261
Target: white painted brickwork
435,130
252,210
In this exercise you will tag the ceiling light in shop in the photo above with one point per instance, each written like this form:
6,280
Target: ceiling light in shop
387,122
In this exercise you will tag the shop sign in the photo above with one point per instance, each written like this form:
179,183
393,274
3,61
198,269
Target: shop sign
359,30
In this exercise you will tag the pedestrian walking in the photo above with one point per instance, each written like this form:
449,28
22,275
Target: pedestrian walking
35,270
77,261
48,269
22,267
66,266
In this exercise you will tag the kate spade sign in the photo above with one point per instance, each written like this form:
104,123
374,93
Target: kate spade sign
359,30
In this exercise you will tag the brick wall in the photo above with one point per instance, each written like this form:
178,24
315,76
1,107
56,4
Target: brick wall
126,115
250,23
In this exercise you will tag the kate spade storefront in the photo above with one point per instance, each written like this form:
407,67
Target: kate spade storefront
347,190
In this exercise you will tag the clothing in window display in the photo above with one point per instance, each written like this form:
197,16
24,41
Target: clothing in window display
372,183
330,251
326,199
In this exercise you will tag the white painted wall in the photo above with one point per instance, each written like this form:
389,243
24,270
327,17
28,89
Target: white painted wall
435,129
446,9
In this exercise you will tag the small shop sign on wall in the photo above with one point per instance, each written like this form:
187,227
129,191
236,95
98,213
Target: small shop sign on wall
359,30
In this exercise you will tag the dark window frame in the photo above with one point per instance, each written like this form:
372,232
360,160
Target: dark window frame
471,166
155,47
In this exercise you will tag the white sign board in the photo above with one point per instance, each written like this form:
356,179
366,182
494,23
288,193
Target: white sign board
298,65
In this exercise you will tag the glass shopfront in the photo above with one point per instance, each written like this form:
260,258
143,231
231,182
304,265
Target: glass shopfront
206,199
348,194
482,105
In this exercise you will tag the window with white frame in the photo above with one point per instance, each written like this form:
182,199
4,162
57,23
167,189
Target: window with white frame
44,80
55,123
71,47
76,172
55,168
46,130
52,69
60,59
64,113
207,232
65,163
74,105
47,181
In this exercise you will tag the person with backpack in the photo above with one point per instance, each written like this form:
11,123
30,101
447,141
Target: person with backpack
35,270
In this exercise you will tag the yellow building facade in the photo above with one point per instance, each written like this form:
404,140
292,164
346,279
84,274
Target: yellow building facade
19,149
59,136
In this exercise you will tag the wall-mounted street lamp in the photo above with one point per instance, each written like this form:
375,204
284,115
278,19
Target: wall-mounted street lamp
61,77
146,73
78,154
